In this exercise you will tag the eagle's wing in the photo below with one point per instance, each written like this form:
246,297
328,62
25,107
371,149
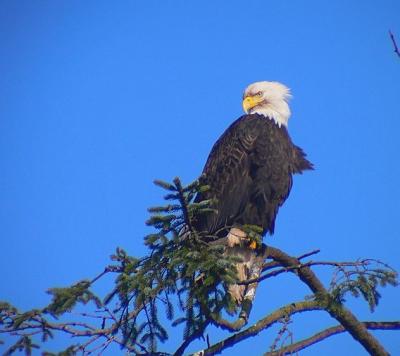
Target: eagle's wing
228,173
249,172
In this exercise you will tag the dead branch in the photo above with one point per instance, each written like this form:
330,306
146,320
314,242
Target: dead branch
272,264
396,49
337,310
189,340
228,325
361,263
262,324
334,330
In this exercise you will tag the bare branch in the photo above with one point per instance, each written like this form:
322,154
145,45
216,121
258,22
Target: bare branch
273,264
228,325
362,263
106,270
396,49
298,346
337,310
189,340
308,254
283,334
262,324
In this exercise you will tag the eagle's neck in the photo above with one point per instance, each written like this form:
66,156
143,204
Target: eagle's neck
277,112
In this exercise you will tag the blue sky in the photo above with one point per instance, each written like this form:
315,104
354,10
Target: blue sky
98,98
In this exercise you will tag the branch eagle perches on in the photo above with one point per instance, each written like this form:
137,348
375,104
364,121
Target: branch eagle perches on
189,276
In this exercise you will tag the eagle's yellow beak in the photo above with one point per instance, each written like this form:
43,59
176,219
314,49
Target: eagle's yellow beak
250,102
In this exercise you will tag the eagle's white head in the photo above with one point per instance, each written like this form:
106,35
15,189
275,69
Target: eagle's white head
269,99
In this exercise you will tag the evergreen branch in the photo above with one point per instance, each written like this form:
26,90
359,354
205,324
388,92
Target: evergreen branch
264,323
164,185
334,330
39,324
183,203
150,326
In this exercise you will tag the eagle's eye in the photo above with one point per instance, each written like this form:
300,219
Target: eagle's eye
259,93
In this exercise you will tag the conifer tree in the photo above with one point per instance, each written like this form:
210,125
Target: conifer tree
186,276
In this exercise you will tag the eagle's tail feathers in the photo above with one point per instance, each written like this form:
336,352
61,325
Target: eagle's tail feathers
249,268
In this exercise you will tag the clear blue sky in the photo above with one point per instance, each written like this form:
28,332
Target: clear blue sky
98,98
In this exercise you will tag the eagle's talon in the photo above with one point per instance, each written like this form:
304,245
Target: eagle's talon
253,245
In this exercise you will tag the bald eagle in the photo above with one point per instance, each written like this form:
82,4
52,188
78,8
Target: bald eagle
249,173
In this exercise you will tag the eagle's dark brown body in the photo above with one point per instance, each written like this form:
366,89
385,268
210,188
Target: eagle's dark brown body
249,172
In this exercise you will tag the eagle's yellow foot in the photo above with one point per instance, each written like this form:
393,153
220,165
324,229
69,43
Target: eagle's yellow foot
237,237
253,245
